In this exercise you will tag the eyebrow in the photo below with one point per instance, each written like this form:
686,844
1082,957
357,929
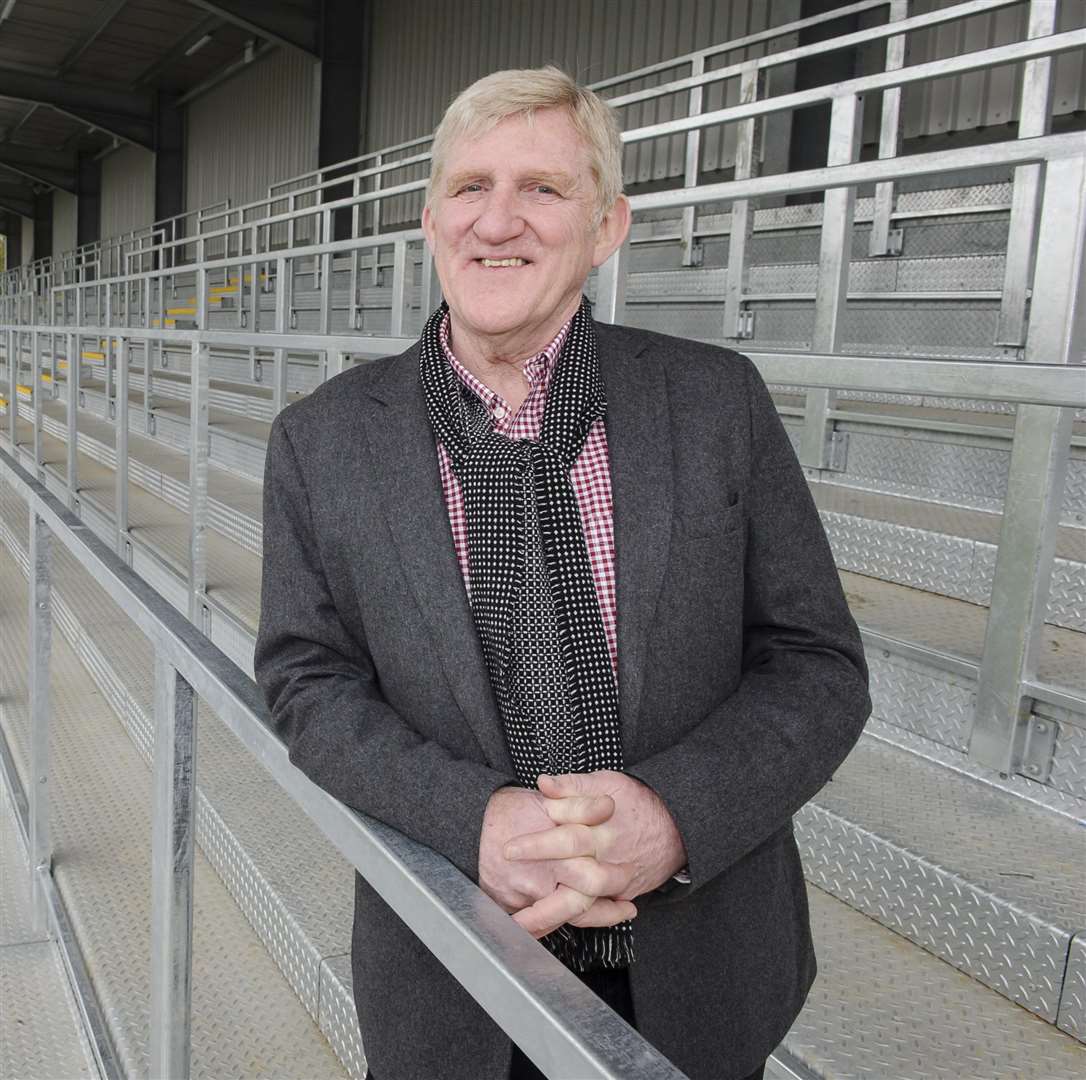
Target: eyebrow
563,180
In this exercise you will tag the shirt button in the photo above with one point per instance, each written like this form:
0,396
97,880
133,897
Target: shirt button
500,412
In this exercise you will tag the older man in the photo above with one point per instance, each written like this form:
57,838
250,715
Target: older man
552,597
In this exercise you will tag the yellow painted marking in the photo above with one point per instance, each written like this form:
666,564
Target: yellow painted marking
181,311
62,363
46,377
23,390
93,356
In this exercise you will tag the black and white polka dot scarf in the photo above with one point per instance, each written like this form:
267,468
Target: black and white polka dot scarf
533,598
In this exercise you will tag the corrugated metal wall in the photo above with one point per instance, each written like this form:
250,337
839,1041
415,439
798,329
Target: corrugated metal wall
128,191
65,207
256,129
984,98
425,52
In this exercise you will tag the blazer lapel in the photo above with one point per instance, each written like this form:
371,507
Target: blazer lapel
409,483
639,447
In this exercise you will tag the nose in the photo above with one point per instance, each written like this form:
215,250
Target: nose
499,217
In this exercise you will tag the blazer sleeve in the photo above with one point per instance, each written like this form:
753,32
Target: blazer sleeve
319,681
736,777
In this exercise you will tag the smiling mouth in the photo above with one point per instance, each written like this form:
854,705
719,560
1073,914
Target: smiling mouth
497,263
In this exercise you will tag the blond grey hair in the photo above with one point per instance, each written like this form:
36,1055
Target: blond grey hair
519,92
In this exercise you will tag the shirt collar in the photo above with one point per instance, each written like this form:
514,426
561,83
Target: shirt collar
538,369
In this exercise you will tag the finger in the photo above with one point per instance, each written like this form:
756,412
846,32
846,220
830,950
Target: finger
561,842
563,785
553,911
593,877
606,912
580,809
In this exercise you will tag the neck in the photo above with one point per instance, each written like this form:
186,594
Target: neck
498,361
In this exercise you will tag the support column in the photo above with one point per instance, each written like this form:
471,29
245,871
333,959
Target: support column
811,126
169,157
88,221
343,39
43,225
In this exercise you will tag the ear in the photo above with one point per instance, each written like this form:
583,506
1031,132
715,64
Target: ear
428,227
612,231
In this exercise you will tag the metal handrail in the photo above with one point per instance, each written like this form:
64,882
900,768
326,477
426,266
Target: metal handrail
558,1022
942,15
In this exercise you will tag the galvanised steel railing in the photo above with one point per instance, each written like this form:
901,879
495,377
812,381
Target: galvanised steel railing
558,1022
309,188
1049,226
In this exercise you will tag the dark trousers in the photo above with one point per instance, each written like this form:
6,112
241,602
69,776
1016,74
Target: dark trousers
614,988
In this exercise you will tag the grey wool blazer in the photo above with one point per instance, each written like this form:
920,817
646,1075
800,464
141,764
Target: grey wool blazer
742,685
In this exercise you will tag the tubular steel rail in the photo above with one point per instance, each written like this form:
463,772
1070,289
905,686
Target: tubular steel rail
558,1022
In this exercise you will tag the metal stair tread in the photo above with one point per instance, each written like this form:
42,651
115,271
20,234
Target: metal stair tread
246,1019
884,1009
1004,845
233,571
955,626
932,517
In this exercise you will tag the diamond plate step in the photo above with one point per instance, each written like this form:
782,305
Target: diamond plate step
40,1030
982,879
292,886
881,1009
246,1019
940,548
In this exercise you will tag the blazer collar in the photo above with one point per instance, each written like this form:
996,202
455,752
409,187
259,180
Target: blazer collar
639,448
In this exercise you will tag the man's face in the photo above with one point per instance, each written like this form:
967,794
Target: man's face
511,228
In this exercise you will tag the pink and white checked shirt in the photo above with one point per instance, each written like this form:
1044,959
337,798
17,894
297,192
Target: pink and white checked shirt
590,475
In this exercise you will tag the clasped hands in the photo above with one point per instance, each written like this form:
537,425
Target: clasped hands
579,850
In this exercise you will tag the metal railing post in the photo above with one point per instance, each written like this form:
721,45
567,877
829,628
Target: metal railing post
121,452
325,324
747,152
41,639
36,404
889,139
1038,466
833,268
282,315
690,165
198,457
72,477
430,294
399,287
172,849
610,306
1033,119
13,387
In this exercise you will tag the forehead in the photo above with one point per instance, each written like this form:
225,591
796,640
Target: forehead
547,142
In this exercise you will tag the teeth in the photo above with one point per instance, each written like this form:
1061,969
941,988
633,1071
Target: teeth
503,262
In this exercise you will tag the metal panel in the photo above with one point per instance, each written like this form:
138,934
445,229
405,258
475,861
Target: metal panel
258,128
64,218
991,96
425,53
128,191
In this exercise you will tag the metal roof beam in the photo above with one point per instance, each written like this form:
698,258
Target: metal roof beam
177,50
287,24
39,166
128,115
108,14
15,205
